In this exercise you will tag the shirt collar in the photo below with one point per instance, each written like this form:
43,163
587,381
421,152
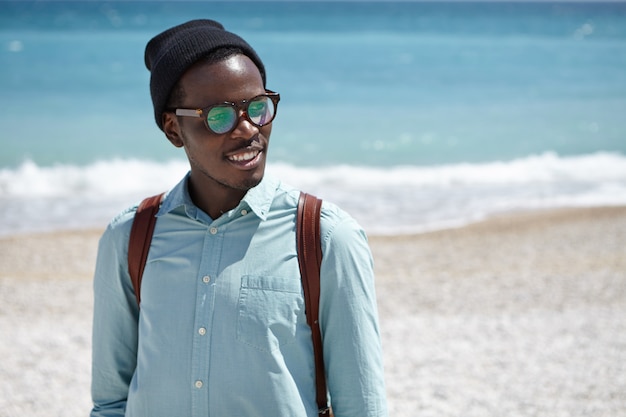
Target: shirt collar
258,199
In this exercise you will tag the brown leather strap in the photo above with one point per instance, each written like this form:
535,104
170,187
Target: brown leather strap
140,239
310,258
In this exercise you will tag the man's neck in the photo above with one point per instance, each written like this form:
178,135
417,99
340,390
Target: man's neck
214,199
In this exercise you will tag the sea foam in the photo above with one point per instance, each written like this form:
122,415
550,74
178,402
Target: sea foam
401,199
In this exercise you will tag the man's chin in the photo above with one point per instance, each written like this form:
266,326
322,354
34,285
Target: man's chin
248,182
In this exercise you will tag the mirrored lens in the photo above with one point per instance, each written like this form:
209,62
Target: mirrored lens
221,119
261,111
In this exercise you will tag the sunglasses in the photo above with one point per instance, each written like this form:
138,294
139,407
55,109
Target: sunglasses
222,118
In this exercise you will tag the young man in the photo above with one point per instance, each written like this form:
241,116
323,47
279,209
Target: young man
222,326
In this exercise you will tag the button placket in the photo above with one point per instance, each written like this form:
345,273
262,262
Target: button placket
205,299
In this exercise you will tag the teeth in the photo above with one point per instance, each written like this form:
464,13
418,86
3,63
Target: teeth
246,156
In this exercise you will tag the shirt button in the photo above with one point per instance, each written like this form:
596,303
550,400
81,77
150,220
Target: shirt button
206,279
213,230
244,212
202,331
198,384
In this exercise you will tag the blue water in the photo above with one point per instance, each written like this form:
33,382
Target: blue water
429,113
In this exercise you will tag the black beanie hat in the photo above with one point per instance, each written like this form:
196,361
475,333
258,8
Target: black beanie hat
170,53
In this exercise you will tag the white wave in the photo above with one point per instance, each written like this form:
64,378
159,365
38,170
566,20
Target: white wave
129,176
547,167
103,178
401,199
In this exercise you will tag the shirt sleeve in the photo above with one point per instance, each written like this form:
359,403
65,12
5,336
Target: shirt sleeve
114,351
349,320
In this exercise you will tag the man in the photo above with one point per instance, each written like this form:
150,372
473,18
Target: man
222,327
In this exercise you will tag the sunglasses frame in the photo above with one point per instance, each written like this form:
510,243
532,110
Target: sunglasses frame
240,106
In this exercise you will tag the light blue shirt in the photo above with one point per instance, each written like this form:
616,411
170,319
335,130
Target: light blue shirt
222,329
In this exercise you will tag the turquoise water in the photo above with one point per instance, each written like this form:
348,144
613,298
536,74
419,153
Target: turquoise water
373,92
362,83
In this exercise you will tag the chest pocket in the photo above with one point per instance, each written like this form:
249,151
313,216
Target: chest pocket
270,309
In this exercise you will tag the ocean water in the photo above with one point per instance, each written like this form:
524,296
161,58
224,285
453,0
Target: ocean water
412,116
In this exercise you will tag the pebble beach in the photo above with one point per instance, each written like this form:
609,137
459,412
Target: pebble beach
518,315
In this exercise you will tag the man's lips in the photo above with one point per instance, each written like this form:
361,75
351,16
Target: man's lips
245,156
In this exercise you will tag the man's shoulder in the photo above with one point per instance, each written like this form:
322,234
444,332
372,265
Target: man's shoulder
125,217
119,227
332,215
122,223
336,224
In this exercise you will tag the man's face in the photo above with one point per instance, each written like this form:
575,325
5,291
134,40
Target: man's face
233,162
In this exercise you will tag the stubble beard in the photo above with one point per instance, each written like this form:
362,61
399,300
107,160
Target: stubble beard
242,185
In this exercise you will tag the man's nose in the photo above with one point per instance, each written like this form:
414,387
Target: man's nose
244,128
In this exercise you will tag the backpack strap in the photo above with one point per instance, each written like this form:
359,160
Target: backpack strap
140,240
308,238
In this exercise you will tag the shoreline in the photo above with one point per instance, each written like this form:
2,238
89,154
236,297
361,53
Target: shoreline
47,261
520,314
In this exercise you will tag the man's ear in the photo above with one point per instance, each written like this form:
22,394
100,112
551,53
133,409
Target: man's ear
172,129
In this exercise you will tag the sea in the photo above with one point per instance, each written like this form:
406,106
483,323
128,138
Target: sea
411,115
